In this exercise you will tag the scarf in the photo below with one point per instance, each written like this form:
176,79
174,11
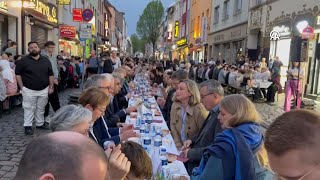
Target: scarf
236,147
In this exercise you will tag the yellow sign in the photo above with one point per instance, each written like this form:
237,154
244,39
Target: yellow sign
182,42
63,2
46,10
3,5
176,29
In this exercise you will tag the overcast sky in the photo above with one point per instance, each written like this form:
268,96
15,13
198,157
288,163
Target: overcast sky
133,9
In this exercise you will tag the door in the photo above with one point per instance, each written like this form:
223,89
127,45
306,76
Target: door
40,35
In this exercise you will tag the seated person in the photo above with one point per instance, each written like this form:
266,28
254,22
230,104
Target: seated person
72,118
187,113
96,101
238,151
141,164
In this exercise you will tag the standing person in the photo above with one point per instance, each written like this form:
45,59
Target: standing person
115,60
35,79
54,97
93,62
293,86
107,64
7,45
12,49
277,63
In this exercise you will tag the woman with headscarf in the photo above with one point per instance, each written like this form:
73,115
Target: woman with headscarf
275,86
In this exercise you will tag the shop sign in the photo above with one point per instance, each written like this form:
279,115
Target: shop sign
307,33
176,29
283,30
77,15
43,10
169,39
4,6
63,2
67,31
85,31
182,42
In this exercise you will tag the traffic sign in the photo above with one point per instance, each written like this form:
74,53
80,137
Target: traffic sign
87,15
85,31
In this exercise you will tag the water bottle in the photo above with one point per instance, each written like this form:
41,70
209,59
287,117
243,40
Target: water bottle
149,118
163,156
147,141
138,122
157,144
142,128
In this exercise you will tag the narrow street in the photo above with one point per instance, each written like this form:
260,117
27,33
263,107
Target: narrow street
13,141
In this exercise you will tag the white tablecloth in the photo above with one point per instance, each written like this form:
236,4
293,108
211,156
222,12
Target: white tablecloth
177,167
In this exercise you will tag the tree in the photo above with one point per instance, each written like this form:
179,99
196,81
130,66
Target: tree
137,43
135,40
148,26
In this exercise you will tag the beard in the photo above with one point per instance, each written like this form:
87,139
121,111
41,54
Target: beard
34,53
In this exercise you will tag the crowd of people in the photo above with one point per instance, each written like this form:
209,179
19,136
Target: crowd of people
220,136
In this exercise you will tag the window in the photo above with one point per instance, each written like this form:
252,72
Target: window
216,15
237,6
258,2
226,9
208,11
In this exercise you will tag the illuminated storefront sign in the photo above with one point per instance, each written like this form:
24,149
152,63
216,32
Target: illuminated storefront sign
43,10
176,29
67,31
3,6
63,2
182,42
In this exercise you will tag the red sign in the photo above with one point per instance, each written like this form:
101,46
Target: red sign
307,33
77,15
67,31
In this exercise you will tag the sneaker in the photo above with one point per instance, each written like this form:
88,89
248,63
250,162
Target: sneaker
28,130
45,126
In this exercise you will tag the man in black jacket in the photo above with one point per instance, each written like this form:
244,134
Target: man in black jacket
211,93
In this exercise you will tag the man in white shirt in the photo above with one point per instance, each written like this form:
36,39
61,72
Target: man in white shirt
115,60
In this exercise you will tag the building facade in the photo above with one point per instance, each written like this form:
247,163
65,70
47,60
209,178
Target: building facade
10,23
291,23
200,18
39,23
227,37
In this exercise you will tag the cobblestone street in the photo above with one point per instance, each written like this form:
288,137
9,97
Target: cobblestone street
13,141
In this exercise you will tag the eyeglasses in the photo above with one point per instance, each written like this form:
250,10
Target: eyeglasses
102,110
203,96
302,177
107,87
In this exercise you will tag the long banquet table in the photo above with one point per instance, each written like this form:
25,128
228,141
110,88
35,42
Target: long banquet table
176,167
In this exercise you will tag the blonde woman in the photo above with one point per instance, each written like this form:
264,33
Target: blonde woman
237,152
187,113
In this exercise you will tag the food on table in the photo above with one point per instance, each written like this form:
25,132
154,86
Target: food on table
172,157
165,132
